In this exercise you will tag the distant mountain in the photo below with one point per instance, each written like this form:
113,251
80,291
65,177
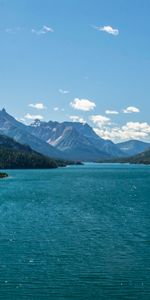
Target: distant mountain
133,147
76,140
142,158
17,156
9,126
67,140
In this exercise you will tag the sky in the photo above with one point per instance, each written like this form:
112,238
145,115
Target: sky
73,60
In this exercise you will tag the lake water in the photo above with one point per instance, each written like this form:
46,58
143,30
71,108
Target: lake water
81,232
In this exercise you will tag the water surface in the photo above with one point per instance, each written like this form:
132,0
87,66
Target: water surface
80,232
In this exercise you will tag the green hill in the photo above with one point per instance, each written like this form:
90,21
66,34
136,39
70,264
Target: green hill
14,155
142,158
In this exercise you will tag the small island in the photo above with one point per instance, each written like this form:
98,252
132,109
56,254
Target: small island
3,175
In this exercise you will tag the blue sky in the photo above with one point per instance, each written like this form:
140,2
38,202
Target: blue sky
78,60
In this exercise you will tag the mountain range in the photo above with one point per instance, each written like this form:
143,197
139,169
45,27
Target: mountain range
66,140
76,140
10,127
141,158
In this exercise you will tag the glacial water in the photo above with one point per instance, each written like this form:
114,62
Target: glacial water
81,232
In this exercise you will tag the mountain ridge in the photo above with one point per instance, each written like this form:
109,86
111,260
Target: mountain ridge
10,127
78,140
66,140
133,147
141,158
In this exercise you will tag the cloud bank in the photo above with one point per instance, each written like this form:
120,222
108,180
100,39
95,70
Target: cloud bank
131,130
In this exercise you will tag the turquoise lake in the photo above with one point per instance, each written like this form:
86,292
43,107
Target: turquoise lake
81,232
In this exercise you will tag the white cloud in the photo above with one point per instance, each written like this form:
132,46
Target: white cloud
83,104
64,91
22,120
137,126
108,29
77,119
131,130
111,112
13,30
100,120
117,134
45,29
33,117
37,106
131,109
56,108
